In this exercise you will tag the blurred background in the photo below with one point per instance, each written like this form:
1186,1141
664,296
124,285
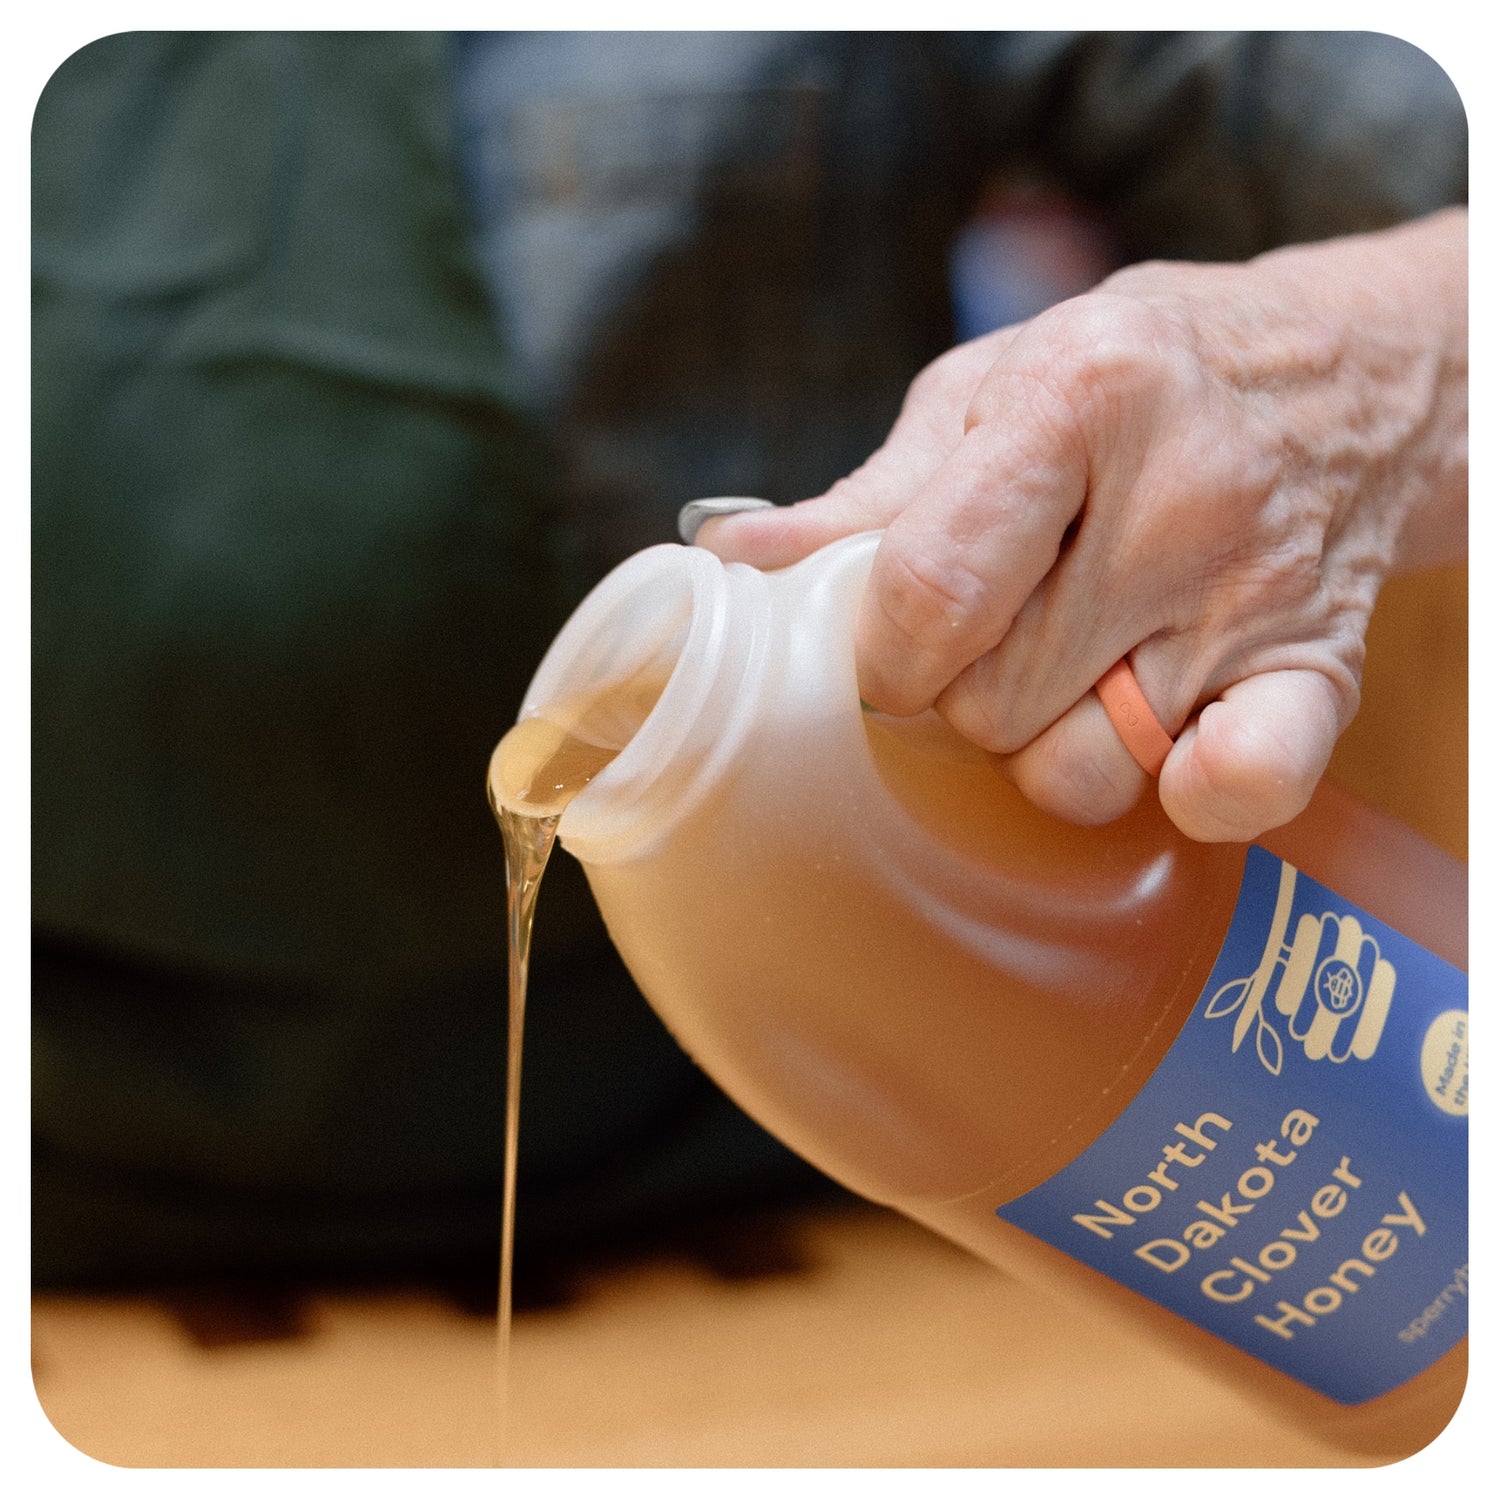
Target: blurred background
357,360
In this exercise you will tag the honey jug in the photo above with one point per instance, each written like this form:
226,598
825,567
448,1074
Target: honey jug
1220,1091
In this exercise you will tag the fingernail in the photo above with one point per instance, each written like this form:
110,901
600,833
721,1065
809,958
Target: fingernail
696,512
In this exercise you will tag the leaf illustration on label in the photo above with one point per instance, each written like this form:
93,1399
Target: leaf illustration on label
1247,995
1268,1046
1226,999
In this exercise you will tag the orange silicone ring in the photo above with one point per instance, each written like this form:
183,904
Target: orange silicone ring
1131,715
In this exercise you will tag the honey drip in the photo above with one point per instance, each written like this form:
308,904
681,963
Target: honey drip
536,770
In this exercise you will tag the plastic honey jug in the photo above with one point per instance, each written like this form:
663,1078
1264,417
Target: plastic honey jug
1218,1090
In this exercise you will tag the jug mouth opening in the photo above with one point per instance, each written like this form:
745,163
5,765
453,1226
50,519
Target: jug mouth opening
636,667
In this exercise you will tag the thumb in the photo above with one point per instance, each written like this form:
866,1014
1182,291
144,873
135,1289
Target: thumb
1252,758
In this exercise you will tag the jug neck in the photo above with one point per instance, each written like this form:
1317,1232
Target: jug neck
678,616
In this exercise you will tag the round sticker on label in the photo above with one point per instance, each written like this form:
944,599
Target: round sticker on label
1445,1062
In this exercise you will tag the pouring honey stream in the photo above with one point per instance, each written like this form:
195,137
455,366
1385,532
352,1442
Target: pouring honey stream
536,770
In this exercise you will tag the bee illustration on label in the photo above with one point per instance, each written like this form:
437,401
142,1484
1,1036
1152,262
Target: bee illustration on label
1334,988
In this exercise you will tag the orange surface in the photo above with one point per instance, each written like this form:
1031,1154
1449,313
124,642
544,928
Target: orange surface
878,1346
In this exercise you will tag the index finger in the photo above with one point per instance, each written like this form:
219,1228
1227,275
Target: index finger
955,567
930,427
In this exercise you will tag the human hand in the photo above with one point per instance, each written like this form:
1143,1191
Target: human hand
1209,470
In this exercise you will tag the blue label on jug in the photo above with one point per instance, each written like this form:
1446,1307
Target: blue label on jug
1294,1177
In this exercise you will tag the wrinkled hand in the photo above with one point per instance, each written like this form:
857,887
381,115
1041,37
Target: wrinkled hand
1210,470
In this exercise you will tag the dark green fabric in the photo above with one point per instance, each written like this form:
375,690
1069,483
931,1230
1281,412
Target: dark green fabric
291,571
293,565
188,1126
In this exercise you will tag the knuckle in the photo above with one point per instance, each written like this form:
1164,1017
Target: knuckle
1076,779
923,598
937,379
974,713
1087,355
951,378
912,612
1142,278
1120,340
